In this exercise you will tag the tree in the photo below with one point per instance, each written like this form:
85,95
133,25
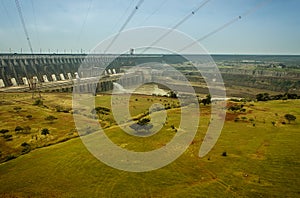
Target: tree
45,131
29,117
38,102
17,109
142,124
263,97
3,131
290,117
206,100
172,94
273,123
101,110
18,129
50,118
27,129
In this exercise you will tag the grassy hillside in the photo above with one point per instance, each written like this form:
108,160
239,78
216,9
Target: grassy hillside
262,160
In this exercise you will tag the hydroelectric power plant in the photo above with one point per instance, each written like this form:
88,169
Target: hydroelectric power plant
56,72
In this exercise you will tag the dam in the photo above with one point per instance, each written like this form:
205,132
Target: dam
58,72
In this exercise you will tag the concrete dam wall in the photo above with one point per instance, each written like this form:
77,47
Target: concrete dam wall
18,69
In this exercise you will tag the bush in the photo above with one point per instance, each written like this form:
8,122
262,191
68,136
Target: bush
142,124
10,157
101,110
45,131
3,131
27,129
38,102
50,118
17,109
143,121
172,94
27,147
29,117
18,129
24,144
7,137
290,117
62,109
224,154
236,119
263,97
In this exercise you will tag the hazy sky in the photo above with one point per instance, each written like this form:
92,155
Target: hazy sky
75,24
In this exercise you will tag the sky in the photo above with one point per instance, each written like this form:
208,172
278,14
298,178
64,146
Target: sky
64,26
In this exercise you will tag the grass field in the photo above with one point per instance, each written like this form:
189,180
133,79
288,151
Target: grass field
262,157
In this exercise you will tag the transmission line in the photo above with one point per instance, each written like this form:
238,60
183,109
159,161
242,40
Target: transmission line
35,26
177,24
158,8
23,24
123,15
124,25
84,22
235,19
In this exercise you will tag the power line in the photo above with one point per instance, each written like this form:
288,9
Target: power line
123,15
158,8
35,26
235,19
23,24
177,24
124,25
84,22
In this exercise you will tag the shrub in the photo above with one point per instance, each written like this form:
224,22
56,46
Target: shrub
24,144
236,119
263,97
45,131
7,137
3,131
27,129
18,129
38,102
172,94
10,157
61,109
29,117
224,154
27,147
290,117
17,109
101,110
273,123
142,124
50,118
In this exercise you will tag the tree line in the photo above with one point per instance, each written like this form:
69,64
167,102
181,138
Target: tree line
266,96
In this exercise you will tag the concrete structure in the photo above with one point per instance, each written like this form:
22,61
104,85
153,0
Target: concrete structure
84,85
18,66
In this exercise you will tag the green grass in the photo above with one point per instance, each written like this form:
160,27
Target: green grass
262,160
